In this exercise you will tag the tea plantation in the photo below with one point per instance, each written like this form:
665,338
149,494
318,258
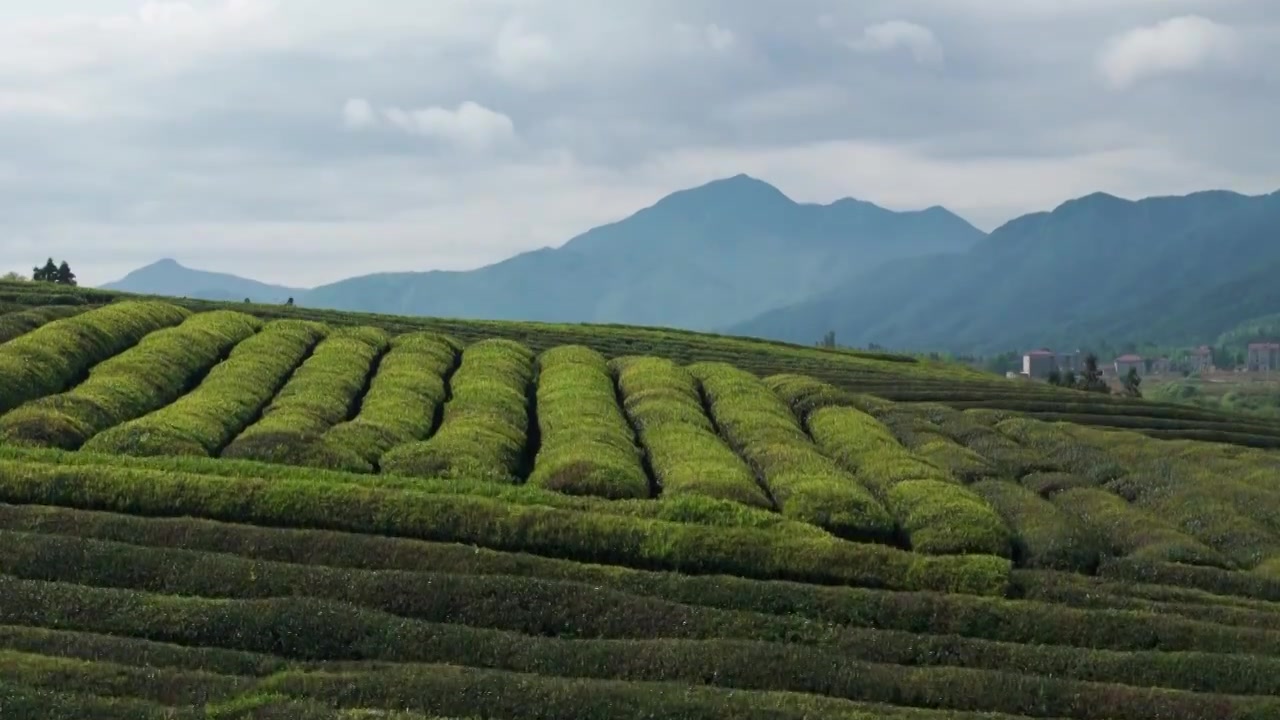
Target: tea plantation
239,511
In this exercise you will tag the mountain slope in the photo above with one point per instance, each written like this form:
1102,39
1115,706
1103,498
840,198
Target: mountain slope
1166,269
168,277
699,258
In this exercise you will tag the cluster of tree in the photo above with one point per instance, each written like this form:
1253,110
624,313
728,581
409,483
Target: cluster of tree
1088,379
60,274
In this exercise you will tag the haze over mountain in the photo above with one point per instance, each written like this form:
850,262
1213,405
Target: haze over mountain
168,277
1178,269
699,258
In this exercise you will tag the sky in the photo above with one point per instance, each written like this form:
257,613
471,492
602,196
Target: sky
304,141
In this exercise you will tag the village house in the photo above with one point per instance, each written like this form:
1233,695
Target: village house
1161,366
1200,359
1126,362
1263,357
1042,362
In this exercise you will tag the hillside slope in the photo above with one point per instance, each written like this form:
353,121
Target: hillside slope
249,511
1175,270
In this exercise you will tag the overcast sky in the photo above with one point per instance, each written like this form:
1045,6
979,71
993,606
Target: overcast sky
302,141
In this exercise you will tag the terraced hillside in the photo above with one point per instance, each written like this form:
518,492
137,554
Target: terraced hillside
236,511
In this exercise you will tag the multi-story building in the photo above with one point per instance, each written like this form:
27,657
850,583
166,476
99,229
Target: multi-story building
1263,357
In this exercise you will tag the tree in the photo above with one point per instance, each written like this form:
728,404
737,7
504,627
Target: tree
1132,381
1055,377
828,340
63,275
1091,379
289,302
48,273
14,277
1069,378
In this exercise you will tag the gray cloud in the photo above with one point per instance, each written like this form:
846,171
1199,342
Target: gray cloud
214,131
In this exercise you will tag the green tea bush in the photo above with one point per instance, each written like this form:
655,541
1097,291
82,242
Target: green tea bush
485,428
234,392
587,447
52,357
961,462
1121,529
580,535
1209,579
24,321
1043,536
1048,484
807,485
144,378
938,515
166,686
321,393
400,407
664,404
1068,452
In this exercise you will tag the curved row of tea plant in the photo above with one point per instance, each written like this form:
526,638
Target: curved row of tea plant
13,324
408,389
144,378
806,484
229,398
55,356
587,447
664,404
320,394
485,429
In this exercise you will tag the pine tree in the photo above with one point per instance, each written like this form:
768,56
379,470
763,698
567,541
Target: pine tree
48,273
63,275
1132,383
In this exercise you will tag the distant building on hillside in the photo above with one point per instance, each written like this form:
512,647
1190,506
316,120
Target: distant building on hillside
1200,359
1126,362
1263,357
1041,363
1161,366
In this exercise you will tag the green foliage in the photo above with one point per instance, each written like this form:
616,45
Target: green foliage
234,392
54,356
17,323
400,406
485,428
584,536
806,485
144,378
1043,536
320,394
1121,529
587,447
664,404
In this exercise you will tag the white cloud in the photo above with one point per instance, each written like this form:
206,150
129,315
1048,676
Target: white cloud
522,56
470,126
894,34
358,113
720,39
1171,46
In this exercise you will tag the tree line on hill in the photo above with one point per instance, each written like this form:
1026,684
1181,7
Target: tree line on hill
59,273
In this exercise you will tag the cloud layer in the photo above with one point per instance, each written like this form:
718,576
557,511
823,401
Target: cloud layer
301,141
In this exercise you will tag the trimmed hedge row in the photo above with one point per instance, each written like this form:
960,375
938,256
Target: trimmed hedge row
144,378
695,509
806,484
485,429
326,631
321,393
400,407
24,321
1209,579
1068,452
939,516
201,422
587,447
1043,535
548,608
1121,529
1030,623
165,686
663,402
54,356
25,701
585,536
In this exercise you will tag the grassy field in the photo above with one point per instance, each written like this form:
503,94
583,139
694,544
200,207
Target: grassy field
242,511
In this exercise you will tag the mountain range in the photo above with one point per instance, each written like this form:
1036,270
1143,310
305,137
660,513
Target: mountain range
737,255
